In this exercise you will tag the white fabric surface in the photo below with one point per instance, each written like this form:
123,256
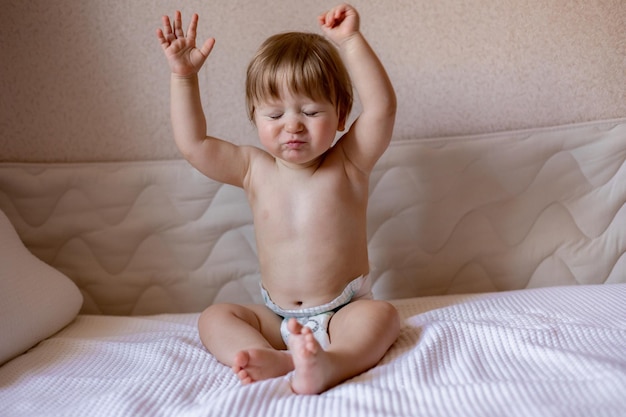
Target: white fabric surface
480,213
36,300
542,352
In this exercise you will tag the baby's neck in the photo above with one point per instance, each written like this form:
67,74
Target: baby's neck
312,165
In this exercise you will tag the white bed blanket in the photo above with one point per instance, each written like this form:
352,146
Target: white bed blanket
552,351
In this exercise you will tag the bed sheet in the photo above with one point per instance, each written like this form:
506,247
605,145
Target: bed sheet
540,352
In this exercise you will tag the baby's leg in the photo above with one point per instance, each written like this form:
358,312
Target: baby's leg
360,335
246,338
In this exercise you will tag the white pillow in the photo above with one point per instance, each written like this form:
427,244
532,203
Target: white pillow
36,300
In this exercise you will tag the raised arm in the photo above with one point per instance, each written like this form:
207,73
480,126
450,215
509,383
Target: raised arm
218,159
369,136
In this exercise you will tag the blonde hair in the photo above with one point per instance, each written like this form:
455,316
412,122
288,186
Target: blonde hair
307,64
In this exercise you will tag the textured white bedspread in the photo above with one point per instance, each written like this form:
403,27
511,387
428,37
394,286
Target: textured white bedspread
551,351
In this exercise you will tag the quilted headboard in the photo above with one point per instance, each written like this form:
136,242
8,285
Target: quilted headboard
490,212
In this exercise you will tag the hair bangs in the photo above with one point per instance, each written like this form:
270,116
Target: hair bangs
300,63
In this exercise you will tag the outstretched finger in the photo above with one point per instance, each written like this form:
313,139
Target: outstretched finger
178,24
193,25
161,36
207,47
167,26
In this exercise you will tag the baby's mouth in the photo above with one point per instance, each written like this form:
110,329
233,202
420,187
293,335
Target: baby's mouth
295,144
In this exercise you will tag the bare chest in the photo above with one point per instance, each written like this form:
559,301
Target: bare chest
306,227
307,204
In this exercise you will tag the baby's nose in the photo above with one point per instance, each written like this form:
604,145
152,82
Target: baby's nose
294,125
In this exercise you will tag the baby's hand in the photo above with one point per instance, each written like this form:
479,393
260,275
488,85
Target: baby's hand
339,23
180,49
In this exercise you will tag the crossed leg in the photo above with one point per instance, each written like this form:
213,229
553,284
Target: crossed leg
360,334
246,338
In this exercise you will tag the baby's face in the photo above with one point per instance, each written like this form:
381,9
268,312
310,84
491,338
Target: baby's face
296,128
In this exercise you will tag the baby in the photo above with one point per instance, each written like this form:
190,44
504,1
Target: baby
308,198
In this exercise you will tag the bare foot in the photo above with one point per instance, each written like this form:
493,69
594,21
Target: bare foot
257,364
312,364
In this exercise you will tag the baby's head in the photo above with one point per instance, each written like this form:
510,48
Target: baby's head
307,64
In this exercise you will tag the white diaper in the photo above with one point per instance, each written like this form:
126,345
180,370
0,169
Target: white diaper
317,318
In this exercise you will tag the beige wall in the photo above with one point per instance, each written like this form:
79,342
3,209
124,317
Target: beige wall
83,81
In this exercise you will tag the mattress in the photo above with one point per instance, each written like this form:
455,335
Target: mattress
481,213
539,352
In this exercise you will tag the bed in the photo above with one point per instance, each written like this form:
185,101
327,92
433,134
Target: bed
496,221
503,252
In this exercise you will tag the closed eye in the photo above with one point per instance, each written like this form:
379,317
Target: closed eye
311,113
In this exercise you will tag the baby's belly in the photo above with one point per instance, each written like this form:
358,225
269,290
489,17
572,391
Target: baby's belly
307,264
302,282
